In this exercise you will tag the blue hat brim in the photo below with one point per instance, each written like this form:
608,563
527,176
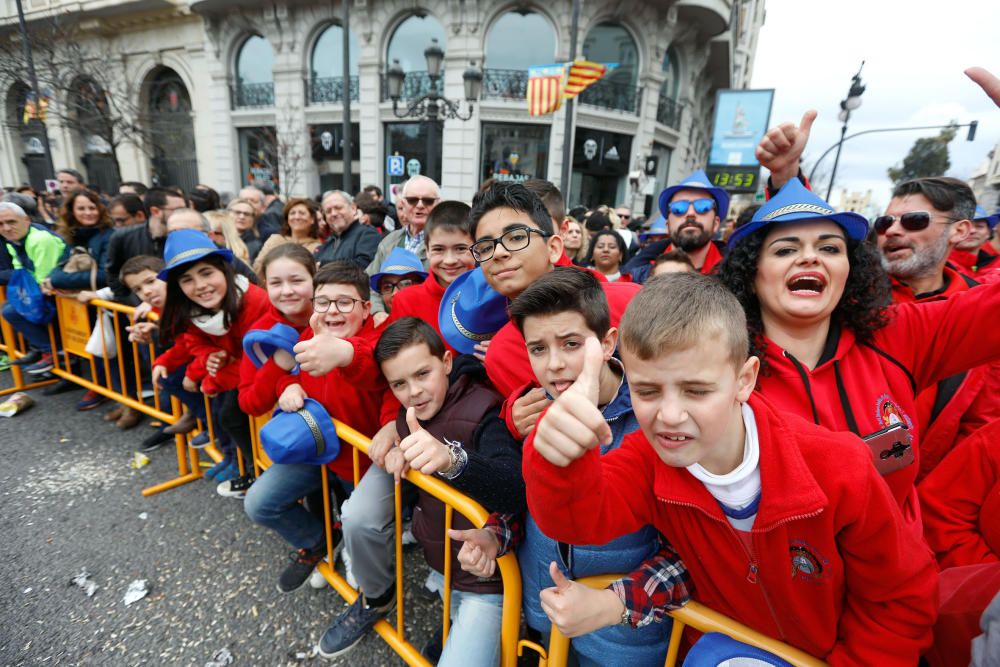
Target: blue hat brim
720,196
260,344
277,436
990,220
463,336
189,257
653,232
375,279
854,225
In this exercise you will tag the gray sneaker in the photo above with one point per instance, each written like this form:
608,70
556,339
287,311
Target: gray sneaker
350,628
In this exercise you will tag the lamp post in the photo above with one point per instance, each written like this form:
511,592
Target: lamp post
432,107
851,103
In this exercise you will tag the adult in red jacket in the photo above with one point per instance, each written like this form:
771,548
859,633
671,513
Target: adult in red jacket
977,253
816,298
818,510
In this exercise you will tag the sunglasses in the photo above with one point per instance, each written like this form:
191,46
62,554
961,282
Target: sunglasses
427,201
680,207
913,221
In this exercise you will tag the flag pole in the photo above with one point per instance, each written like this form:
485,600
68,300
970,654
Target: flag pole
567,156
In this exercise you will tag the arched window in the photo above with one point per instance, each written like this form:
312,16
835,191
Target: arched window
171,130
23,119
407,45
326,66
612,43
254,73
516,41
668,108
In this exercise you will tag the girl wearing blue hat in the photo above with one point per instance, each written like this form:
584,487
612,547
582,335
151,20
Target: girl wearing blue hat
832,350
209,308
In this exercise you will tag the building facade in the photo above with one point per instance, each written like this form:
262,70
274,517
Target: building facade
227,94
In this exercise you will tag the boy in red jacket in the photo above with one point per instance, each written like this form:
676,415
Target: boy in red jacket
801,546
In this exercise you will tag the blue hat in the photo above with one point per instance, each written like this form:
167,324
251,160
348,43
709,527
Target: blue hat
659,227
471,311
307,436
715,648
399,263
186,246
260,344
696,181
990,220
794,203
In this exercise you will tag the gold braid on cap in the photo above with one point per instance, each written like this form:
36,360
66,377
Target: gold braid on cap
798,208
462,330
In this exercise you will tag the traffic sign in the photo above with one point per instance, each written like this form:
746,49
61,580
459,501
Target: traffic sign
394,165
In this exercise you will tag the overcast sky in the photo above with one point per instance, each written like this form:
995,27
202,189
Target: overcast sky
808,52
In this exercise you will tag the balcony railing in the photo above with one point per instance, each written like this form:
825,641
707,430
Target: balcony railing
415,85
668,112
505,84
247,95
329,90
613,96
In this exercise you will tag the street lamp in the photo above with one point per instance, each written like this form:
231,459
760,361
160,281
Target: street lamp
851,103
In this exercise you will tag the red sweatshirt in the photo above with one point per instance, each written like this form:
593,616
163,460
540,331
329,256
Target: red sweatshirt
195,343
507,356
831,568
259,386
956,407
864,388
421,301
960,500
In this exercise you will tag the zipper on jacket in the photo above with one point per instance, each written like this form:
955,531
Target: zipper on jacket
805,381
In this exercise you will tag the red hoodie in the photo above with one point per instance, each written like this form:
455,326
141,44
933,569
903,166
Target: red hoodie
831,567
259,386
864,388
507,357
960,500
195,342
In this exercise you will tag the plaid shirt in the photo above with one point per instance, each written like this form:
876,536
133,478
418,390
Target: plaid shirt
658,585
413,243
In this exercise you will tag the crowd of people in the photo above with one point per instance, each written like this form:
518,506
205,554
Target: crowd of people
792,418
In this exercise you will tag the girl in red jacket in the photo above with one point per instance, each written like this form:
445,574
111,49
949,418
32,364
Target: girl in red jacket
215,307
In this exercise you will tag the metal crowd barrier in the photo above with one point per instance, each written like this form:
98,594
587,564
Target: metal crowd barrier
74,327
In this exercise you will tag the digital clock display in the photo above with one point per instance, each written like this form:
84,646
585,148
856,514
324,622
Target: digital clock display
735,179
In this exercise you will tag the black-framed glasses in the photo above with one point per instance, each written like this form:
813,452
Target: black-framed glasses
680,207
386,287
427,201
913,221
514,239
344,304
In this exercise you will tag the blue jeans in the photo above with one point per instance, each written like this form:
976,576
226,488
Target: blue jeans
172,386
474,635
37,335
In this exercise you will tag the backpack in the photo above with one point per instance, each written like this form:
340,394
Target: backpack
25,294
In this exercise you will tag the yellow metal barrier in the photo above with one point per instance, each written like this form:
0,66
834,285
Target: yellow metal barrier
699,617
15,347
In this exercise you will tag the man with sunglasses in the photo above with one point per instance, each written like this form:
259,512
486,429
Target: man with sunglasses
417,199
693,209
924,222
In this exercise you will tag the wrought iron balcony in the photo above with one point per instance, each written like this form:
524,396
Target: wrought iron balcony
415,86
613,96
505,84
668,112
246,95
329,90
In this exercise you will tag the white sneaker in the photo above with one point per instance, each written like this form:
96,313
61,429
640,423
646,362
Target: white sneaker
345,558
317,580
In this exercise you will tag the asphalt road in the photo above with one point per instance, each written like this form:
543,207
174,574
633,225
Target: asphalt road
70,502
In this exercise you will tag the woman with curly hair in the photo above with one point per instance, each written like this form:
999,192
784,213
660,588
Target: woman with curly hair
831,348
85,225
607,253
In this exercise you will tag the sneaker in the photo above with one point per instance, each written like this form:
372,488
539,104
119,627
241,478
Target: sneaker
231,471
155,441
218,468
90,401
296,573
44,364
235,488
200,441
350,628
28,358
115,414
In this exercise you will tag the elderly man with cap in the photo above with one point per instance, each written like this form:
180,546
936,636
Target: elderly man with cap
39,251
693,210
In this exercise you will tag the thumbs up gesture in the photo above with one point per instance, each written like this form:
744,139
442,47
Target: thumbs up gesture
422,450
324,351
573,424
577,609
782,146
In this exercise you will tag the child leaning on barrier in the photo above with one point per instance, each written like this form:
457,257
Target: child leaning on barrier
351,391
209,301
450,427
778,534
556,315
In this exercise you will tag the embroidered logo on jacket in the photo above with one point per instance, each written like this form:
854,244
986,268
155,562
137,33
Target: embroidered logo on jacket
888,412
806,563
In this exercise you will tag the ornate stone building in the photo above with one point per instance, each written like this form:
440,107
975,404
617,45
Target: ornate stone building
227,92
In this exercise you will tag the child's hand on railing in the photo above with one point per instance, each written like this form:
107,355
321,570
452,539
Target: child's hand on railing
395,464
577,609
385,439
293,398
141,332
141,312
478,555
85,295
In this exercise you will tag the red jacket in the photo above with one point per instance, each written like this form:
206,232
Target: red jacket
259,386
421,301
831,568
507,356
972,263
864,388
960,500
197,344
957,406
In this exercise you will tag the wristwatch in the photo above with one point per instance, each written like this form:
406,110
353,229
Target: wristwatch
459,459
626,617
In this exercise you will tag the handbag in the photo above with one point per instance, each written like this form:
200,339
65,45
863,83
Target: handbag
25,294
96,345
80,260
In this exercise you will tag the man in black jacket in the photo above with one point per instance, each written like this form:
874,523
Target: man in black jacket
350,241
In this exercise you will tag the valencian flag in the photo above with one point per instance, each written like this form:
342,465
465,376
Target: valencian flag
545,88
582,73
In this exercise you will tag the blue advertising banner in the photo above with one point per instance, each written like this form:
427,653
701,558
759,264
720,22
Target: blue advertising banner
741,119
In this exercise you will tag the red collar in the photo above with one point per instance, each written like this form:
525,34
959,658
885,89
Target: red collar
954,283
